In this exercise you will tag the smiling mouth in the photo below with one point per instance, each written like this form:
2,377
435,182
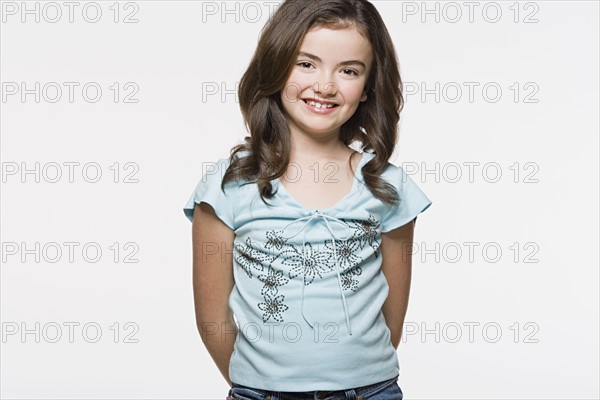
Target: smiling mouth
318,105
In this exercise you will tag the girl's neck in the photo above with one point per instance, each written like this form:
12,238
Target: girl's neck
304,148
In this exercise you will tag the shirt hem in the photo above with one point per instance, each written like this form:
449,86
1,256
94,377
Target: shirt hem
306,385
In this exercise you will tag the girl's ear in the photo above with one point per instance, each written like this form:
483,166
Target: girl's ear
364,96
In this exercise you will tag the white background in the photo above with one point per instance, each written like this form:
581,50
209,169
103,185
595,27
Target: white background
173,53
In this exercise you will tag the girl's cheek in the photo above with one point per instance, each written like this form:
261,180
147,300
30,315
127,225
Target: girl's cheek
295,85
352,92
292,90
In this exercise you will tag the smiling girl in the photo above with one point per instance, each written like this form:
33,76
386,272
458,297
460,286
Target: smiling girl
304,296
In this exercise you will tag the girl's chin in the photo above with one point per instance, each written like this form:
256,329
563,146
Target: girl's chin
320,130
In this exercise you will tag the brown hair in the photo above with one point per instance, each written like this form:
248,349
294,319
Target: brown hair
260,100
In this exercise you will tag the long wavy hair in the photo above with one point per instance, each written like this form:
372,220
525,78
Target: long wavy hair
374,124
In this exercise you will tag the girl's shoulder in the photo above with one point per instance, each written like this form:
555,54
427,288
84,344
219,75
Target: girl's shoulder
392,173
220,166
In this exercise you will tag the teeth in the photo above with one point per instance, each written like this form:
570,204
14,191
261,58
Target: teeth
319,105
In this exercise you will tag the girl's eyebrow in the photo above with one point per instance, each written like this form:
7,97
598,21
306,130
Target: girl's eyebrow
315,58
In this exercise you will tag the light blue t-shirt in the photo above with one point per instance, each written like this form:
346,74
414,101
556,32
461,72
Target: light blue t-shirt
308,283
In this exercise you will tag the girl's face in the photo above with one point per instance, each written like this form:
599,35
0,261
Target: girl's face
327,82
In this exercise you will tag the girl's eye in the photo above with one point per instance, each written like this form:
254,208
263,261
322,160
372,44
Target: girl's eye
304,64
350,72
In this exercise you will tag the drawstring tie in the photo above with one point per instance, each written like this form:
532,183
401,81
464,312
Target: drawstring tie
317,214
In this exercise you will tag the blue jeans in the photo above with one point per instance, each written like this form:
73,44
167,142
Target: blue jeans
385,390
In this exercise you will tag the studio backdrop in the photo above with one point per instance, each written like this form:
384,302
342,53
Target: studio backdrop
112,111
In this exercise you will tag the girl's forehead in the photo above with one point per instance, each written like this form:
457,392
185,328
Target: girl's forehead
331,44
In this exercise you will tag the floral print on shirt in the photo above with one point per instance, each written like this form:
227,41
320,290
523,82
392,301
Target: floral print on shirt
257,260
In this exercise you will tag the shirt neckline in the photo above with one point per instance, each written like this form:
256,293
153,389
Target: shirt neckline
355,181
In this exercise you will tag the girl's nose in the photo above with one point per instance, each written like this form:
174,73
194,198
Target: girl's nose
326,86
330,88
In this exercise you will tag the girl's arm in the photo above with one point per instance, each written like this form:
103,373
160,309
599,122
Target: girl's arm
213,282
396,249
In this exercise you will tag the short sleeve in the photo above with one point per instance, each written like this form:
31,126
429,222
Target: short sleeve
412,202
208,190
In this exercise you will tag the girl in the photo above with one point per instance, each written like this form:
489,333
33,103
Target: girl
302,246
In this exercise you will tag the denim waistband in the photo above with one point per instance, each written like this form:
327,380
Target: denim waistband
350,393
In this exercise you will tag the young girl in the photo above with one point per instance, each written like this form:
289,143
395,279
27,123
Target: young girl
304,240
